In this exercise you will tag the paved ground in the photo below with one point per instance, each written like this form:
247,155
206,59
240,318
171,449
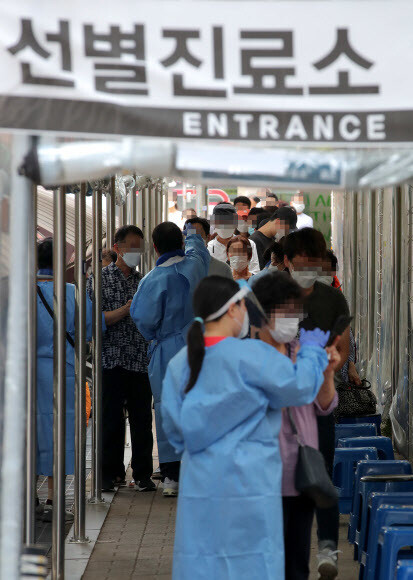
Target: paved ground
136,540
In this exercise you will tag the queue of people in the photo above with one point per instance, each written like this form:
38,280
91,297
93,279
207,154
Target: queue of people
227,336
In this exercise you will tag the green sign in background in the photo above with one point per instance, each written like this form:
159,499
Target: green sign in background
318,206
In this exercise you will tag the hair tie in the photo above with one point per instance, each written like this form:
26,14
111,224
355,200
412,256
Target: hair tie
199,319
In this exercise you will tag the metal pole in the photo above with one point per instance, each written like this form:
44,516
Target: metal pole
13,452
110,214
204,202
151,216
30,516
165,206
148,231
80,367
124,210
59,382
132,206
96,476
140,208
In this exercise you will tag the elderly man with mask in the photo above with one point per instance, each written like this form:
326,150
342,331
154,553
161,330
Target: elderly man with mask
225,221
125,378
303,220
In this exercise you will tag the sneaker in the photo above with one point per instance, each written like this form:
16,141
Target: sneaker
327,564
145,485
157,474
48,514
170,487
132,483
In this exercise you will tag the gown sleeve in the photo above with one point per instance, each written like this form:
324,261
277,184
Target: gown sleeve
287,384
147,306
171,408
254,266
195,250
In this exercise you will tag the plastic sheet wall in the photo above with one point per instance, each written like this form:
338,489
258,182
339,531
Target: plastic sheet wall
372,235
5,154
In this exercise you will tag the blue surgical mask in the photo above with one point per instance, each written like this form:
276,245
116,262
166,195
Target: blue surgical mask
251,230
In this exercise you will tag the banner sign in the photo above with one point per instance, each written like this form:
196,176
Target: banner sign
275,72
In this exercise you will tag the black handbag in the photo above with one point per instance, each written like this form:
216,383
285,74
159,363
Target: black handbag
311,476
355,400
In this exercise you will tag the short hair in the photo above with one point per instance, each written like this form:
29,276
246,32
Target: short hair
275,289
167,237
256,199
202,221
282,203
242,199
110,254
45,253
244,241
256,211
275,248
286,214
262,219
269,193
305,242
224,208
333,259
122,232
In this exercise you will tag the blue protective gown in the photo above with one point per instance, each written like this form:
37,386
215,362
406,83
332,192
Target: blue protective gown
229,523
162,312
45,378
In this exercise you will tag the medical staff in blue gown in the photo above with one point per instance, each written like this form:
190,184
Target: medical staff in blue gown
45,364
221,407
162,312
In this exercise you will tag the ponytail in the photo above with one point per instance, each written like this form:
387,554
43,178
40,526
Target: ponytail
196,352
209,296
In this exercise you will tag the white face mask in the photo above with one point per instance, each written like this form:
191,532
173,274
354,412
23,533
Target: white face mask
244,326
299,207
327,280
225,232
131,259
242,227
238,263
304,278
285,330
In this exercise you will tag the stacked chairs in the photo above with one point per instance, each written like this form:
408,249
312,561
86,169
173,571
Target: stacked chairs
377,491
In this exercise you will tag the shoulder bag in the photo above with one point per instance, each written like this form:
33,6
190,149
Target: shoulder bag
311,476
355,400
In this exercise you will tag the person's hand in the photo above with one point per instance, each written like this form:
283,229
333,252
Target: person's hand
353,374
126,307
334,359
314,337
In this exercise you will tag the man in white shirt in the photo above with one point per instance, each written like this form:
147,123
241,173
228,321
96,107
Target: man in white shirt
225,221
174,215
303,220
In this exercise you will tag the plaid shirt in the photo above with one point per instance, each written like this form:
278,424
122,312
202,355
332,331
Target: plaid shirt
122,344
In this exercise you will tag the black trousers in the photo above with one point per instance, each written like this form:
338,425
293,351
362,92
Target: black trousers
327,519
170,470
298,513
122,388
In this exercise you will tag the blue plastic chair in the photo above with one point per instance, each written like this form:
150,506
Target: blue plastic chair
385,516
355,430
369,484
383,445
375,419
345,464
391,541
363,469
405,570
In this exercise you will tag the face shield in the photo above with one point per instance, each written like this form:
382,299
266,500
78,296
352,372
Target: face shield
256,314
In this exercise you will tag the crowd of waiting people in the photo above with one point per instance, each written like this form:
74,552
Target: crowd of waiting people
223,388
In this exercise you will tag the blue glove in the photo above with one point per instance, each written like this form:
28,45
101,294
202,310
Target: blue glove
314,337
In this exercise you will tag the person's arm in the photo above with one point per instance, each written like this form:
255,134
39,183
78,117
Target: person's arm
147,306
327,392
113,316
286,384
196,250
